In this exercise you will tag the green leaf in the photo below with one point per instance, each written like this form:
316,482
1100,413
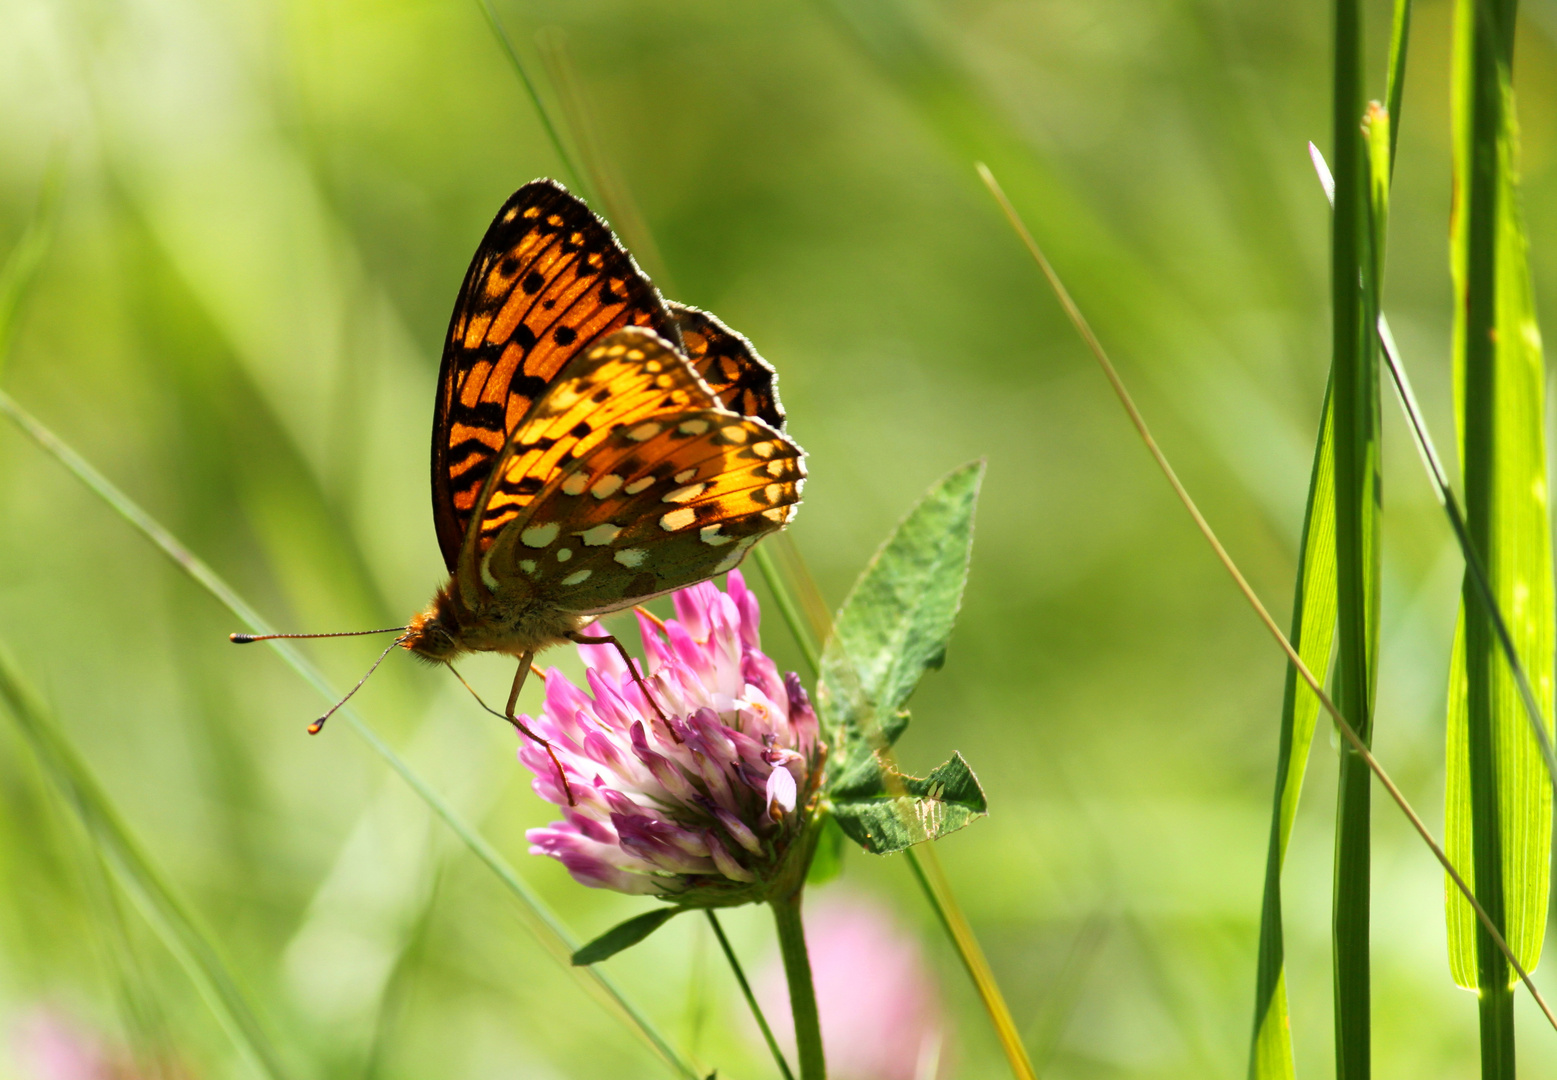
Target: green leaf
624,935
897,620
885,811
1313,632
1498,803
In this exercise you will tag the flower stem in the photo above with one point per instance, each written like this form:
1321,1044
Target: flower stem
802,995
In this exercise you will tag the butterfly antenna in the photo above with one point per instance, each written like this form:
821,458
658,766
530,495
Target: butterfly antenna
562,774
246,639
318,725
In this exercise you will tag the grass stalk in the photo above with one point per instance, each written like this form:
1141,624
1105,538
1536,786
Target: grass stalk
576,175
1498,815
537,916
1354,363
751,999
1312,634
1438,476
1348,733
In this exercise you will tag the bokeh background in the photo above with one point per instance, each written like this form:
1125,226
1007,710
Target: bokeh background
264,211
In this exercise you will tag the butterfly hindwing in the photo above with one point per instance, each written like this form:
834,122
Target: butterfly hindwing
742,380
659,487
548,280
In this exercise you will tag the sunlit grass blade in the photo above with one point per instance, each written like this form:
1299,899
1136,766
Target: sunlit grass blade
194,948
1344,726
26,256
1354,367
1498,803
751,999
575,174
537,916
1312,634
1395,81
1432,463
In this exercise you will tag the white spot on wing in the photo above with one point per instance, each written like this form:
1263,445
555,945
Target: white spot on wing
564,554
710,536
648,430
640,484
630,557
684,494
678,519
606,486
575,484
578,577
538,536
600,535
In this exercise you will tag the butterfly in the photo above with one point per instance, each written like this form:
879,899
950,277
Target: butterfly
593,444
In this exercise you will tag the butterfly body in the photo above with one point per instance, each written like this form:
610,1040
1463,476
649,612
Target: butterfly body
594,446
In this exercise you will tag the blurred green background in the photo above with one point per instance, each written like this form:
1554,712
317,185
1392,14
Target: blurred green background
264,213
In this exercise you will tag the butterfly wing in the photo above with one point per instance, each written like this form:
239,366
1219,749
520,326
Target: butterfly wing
742,380
548,280
630,480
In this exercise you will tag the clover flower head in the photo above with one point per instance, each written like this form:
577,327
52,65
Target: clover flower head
704,805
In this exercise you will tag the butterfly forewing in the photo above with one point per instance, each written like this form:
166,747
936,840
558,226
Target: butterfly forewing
742,380
548,280
656,491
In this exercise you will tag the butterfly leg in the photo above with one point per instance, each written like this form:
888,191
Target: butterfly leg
610,639
508,714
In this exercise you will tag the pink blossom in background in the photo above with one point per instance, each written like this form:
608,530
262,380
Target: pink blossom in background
881,1014
47,1047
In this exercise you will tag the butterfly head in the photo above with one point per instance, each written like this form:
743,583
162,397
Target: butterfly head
434,634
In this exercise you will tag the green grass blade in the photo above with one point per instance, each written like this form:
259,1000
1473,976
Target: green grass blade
194,948
1395,84
1498,798
751,999
1353,284
26,256
575,174
534,912
1313,634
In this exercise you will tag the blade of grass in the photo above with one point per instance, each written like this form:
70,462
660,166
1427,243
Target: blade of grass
1498,810
26,256
189,942
1439,477
575,174
1313,634
1395,81
751,999
1354,363
539,918
1344,726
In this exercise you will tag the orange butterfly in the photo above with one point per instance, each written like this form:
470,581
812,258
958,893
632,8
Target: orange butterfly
593,446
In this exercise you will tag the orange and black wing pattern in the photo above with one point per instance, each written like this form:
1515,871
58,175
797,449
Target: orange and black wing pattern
548,281
628,480
743,381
